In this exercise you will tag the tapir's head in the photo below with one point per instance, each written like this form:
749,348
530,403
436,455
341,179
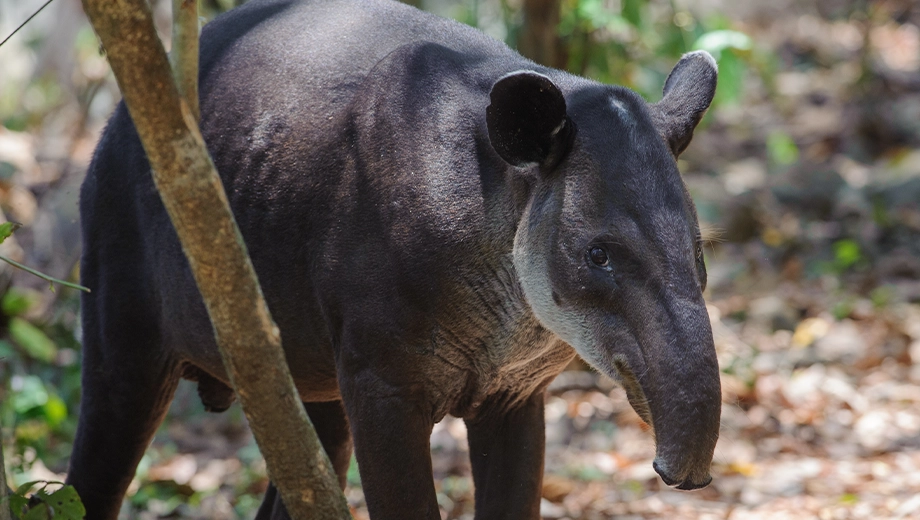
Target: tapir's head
608,249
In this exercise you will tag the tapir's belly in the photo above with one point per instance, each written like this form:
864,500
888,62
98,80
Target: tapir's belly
312,366
188,336
511,361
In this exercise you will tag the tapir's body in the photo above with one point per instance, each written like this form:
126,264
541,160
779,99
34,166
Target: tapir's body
430,216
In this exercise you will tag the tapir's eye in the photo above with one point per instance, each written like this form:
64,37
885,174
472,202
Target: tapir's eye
701,266
599,257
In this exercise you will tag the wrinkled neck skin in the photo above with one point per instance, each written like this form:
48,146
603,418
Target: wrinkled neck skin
649,329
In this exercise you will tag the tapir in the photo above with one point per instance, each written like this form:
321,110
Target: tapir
439,226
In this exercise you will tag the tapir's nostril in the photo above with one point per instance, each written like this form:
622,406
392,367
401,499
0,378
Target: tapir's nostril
663,474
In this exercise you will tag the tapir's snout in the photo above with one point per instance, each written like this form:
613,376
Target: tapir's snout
686,431
674,386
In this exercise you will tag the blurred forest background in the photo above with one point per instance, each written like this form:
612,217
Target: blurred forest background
806,174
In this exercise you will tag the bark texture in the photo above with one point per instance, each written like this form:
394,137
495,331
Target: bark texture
183,54
539,39
194,197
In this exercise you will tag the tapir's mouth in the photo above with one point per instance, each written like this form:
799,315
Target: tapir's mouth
634,393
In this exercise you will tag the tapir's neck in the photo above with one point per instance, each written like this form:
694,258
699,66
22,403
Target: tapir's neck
506,191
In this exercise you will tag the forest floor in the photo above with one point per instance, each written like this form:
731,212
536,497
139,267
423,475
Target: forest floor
819,421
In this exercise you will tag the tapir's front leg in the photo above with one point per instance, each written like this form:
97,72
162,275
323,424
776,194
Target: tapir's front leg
391,429
506,452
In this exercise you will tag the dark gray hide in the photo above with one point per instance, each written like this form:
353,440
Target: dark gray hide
438,225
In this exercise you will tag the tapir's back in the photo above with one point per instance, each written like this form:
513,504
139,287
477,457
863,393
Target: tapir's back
278,75
304,59
277,78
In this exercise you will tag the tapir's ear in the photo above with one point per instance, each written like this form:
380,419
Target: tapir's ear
688,92
527,121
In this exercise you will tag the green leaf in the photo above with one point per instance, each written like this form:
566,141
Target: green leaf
849,499
6,349
726,46
842,309
597,15
17,301
7,229
32,394
353,477
846,253
23,489
882,296
731,78
782,149
717,41
66,504
17,503
55,410
632,12
32,340
39,512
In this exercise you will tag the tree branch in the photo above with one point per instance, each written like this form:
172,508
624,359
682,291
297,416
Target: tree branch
50,279
183,55
194,197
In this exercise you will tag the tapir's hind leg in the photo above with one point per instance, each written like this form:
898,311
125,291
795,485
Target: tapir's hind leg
128,383
331,426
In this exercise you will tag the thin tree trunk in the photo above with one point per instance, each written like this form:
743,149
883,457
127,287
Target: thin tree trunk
194,197
539,39
4,491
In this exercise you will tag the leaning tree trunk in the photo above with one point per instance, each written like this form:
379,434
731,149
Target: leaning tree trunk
194,197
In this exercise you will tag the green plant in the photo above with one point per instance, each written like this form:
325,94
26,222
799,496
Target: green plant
781,149
847,253
40,376
6,230
730,49
61,504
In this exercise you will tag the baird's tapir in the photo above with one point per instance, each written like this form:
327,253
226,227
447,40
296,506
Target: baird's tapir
439,226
